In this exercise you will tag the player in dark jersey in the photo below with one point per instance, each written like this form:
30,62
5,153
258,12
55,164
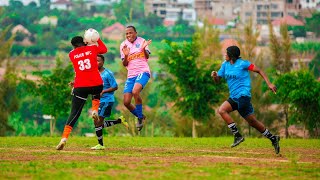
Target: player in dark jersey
87,81
236,72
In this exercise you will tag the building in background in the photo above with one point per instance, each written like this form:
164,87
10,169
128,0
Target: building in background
203,8
171,10
61,5
258,11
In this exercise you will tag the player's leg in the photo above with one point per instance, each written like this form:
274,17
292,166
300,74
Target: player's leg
246,111
78,100
95,91
98,123
127,96
105,112
224,110
141,81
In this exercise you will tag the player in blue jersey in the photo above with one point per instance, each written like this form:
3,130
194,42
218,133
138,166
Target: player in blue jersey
236,72
106,102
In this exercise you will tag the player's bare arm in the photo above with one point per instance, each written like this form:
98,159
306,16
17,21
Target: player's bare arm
272,87
143,47
215,76
126,51
111,89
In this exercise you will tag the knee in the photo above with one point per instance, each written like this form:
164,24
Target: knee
221,111
126,103
136,93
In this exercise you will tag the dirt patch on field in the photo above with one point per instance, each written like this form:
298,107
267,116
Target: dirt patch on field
132,157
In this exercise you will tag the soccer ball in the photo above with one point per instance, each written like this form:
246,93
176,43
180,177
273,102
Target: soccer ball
91,36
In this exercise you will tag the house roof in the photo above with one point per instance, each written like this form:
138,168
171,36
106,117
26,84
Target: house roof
289,20
168,23
20,28
216,21
114,27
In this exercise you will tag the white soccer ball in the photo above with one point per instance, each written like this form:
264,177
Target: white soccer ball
91,36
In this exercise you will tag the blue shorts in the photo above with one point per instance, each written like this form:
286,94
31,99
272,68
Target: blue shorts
105,109
242,105
142,79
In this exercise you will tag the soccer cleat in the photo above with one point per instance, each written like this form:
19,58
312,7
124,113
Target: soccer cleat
98,147
275,143
124,122
95,115
237,141
61,145
140,123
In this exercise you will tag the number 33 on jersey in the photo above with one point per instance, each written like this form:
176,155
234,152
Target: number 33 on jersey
84,60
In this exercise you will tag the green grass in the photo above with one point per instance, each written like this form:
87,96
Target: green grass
158,158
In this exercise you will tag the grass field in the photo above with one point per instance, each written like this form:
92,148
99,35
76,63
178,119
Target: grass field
158,158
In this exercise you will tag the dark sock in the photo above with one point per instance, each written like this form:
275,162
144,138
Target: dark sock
99,135
134,112
234,129
139,111
268,134
108,123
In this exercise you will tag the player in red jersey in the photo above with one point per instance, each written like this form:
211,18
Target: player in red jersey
87,81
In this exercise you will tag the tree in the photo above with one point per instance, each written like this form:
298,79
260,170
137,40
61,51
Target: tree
8,83
301,91
54,91
313,23
127,10
314,65
190,87
281,59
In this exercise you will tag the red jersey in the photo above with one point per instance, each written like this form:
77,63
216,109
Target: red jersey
84,60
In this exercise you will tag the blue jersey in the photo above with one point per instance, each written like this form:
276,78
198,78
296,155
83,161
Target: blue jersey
108,81
237,76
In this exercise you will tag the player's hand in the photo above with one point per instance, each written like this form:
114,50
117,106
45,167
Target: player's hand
273,88
71,84
145,44
214,74
126,50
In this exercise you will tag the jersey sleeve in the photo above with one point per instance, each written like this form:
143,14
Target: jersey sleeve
245,64
102,48
221,71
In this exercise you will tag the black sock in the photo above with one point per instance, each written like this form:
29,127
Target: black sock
268,134
108,123
99,135
234,129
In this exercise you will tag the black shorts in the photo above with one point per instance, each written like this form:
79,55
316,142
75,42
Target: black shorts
83,92
242,105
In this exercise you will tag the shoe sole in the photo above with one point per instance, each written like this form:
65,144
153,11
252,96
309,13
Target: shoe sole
239,142
61,146
140,126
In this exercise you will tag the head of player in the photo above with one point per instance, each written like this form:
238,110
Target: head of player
77,41
131,33
100,59
232,53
